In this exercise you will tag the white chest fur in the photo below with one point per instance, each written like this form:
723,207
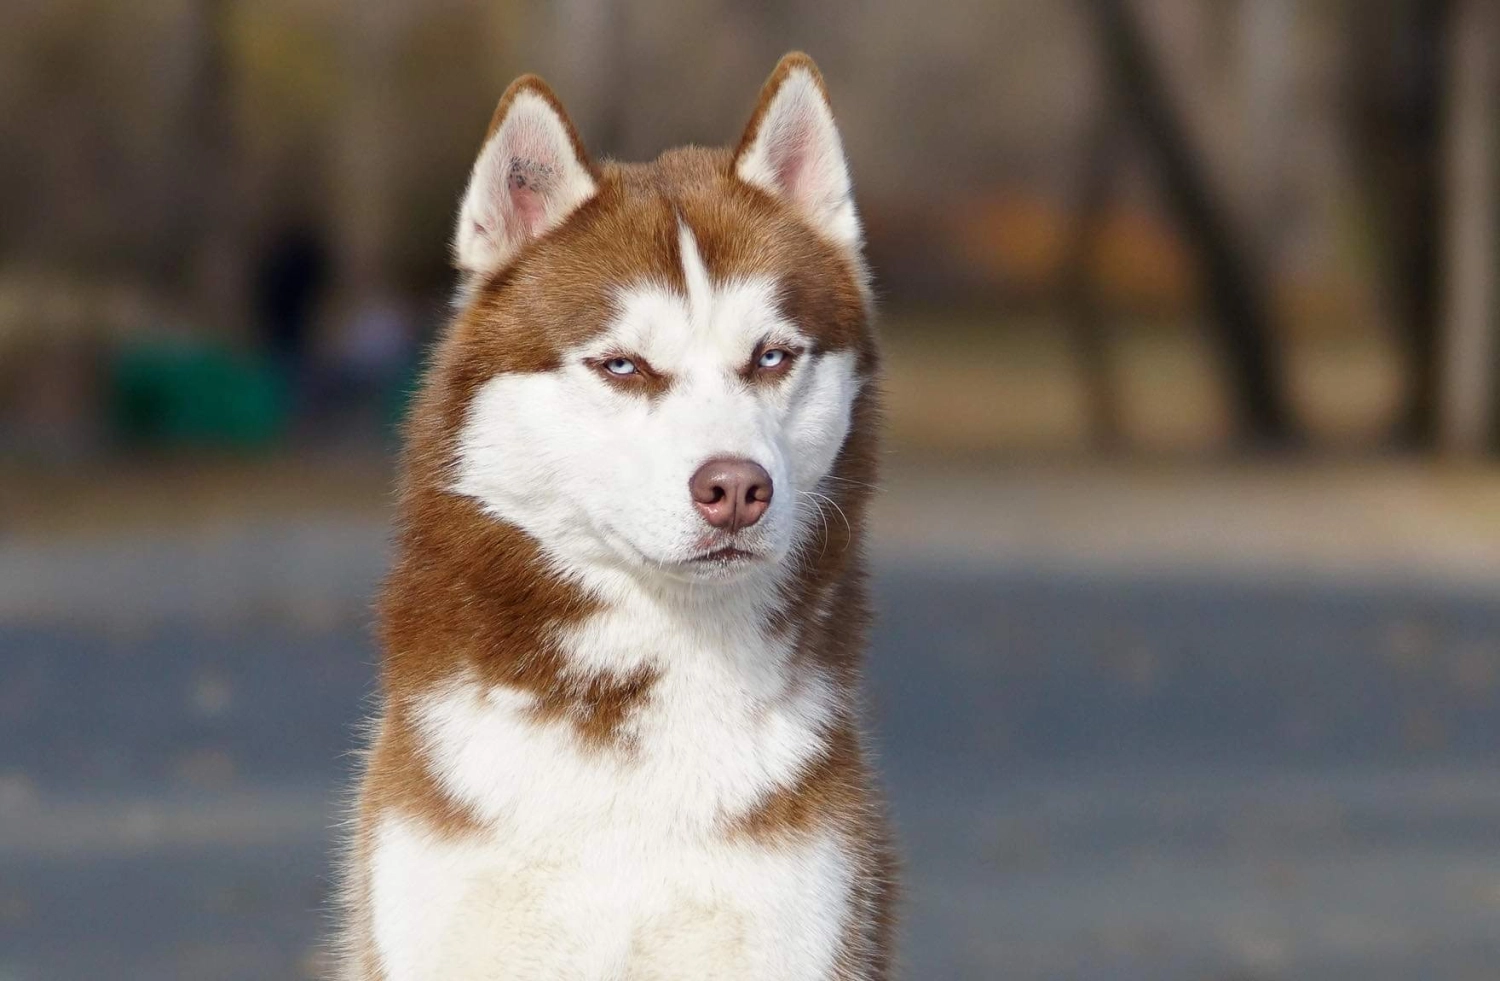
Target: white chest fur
605,905
613,864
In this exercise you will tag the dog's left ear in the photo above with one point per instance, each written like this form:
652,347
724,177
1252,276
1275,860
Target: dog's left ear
791,149
530,176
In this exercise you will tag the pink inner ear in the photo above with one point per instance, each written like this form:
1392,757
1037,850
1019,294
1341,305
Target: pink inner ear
789,159
529,207
790,148
526,184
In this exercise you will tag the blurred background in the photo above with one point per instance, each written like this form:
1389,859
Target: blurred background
1188,660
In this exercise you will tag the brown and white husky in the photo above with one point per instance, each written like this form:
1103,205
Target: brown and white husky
619,734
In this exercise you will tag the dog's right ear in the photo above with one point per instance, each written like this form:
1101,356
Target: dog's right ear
791,150
530,176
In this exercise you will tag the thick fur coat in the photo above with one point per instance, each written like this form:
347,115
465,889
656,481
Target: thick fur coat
619,734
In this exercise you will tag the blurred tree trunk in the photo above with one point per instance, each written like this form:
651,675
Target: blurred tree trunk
368,126
1079,295
217,274
1397,84
1473,253
1268,97
593,57
1236,293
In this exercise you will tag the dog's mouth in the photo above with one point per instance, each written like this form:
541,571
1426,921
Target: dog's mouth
728,555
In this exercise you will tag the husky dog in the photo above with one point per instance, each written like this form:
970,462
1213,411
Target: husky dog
619,732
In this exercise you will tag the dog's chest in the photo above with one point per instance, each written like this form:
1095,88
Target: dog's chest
723,724
605,905
617,862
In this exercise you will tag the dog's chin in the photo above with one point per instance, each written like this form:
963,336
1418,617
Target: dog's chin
722,563
727,564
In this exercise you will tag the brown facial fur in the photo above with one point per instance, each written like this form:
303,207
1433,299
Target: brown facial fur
470,594
469,591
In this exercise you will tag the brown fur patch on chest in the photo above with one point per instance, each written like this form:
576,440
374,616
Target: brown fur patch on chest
596,707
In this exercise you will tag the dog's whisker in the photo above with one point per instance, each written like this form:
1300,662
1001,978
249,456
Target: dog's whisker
822,516
848,529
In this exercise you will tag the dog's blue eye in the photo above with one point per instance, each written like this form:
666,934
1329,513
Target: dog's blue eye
620,366
773,358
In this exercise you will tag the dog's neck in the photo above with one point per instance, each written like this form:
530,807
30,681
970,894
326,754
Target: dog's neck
471,594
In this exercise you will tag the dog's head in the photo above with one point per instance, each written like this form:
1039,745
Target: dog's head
655,367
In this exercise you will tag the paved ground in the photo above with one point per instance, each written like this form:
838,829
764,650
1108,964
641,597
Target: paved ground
1158,763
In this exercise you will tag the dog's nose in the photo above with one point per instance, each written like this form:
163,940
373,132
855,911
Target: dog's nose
730,493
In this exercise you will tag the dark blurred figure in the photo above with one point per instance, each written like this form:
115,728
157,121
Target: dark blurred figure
290,280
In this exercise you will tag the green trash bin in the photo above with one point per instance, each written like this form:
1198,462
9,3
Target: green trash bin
193,393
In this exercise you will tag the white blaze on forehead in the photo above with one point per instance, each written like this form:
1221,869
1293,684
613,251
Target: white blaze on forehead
694,272
704,325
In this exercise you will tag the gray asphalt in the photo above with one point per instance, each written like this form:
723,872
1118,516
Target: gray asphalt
1093,777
